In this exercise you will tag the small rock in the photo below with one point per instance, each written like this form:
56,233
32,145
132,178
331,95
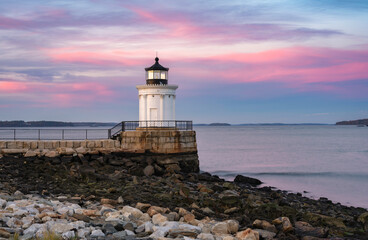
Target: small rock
154,210
97,233
363,218
120,200
232,226
18,194
82,233
51,154
263,224
129,233
4,233
143,206
108,228
108,201
189,217
174,233
286,224
205,236
136,213
267,235
183,212
207,210
220,228
149,170
120,235
158,219
30,153
68,235
248,234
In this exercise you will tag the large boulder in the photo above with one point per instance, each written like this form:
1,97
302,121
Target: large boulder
305,229
247,180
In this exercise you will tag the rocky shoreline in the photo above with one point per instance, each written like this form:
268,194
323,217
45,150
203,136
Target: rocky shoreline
77,203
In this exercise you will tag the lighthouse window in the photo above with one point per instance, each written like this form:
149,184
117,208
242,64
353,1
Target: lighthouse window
156,75
163,75
150,74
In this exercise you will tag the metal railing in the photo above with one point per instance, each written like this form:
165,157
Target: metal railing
164,124
52,134
90,133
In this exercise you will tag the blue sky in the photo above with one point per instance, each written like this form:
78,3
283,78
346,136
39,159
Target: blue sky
234,61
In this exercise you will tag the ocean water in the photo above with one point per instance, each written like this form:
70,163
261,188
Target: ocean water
325,161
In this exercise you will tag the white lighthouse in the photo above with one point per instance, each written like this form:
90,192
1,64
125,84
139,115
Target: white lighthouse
156,97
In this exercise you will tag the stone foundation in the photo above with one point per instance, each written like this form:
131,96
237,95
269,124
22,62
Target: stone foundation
163,141
137,152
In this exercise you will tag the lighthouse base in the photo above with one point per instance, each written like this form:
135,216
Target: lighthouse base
170,150
159,140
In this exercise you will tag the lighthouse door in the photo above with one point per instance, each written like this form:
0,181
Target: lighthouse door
153,116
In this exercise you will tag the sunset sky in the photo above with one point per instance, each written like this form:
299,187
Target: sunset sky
251,61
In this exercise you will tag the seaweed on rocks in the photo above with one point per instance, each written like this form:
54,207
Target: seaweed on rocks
288,215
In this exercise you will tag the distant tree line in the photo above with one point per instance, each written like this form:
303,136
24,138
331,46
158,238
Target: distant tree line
354,122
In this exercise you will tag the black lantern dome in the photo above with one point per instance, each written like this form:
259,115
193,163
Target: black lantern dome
156,74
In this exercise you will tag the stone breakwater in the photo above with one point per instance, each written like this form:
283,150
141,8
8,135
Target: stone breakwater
138,152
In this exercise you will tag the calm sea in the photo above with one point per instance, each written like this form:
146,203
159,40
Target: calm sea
326,161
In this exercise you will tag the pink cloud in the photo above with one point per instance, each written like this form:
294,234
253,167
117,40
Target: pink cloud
74,55
292,65
10,23
12,87
60,94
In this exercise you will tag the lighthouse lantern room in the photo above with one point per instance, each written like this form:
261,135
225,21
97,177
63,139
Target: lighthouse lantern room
156,97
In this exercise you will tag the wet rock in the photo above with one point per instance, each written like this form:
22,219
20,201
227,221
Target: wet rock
143,206
149,170
247,180
262,224
229,197
285,223
363,219
108,228
248,234
305,229
264,234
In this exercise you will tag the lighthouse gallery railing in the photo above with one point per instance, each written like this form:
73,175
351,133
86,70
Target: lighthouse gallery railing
151,125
